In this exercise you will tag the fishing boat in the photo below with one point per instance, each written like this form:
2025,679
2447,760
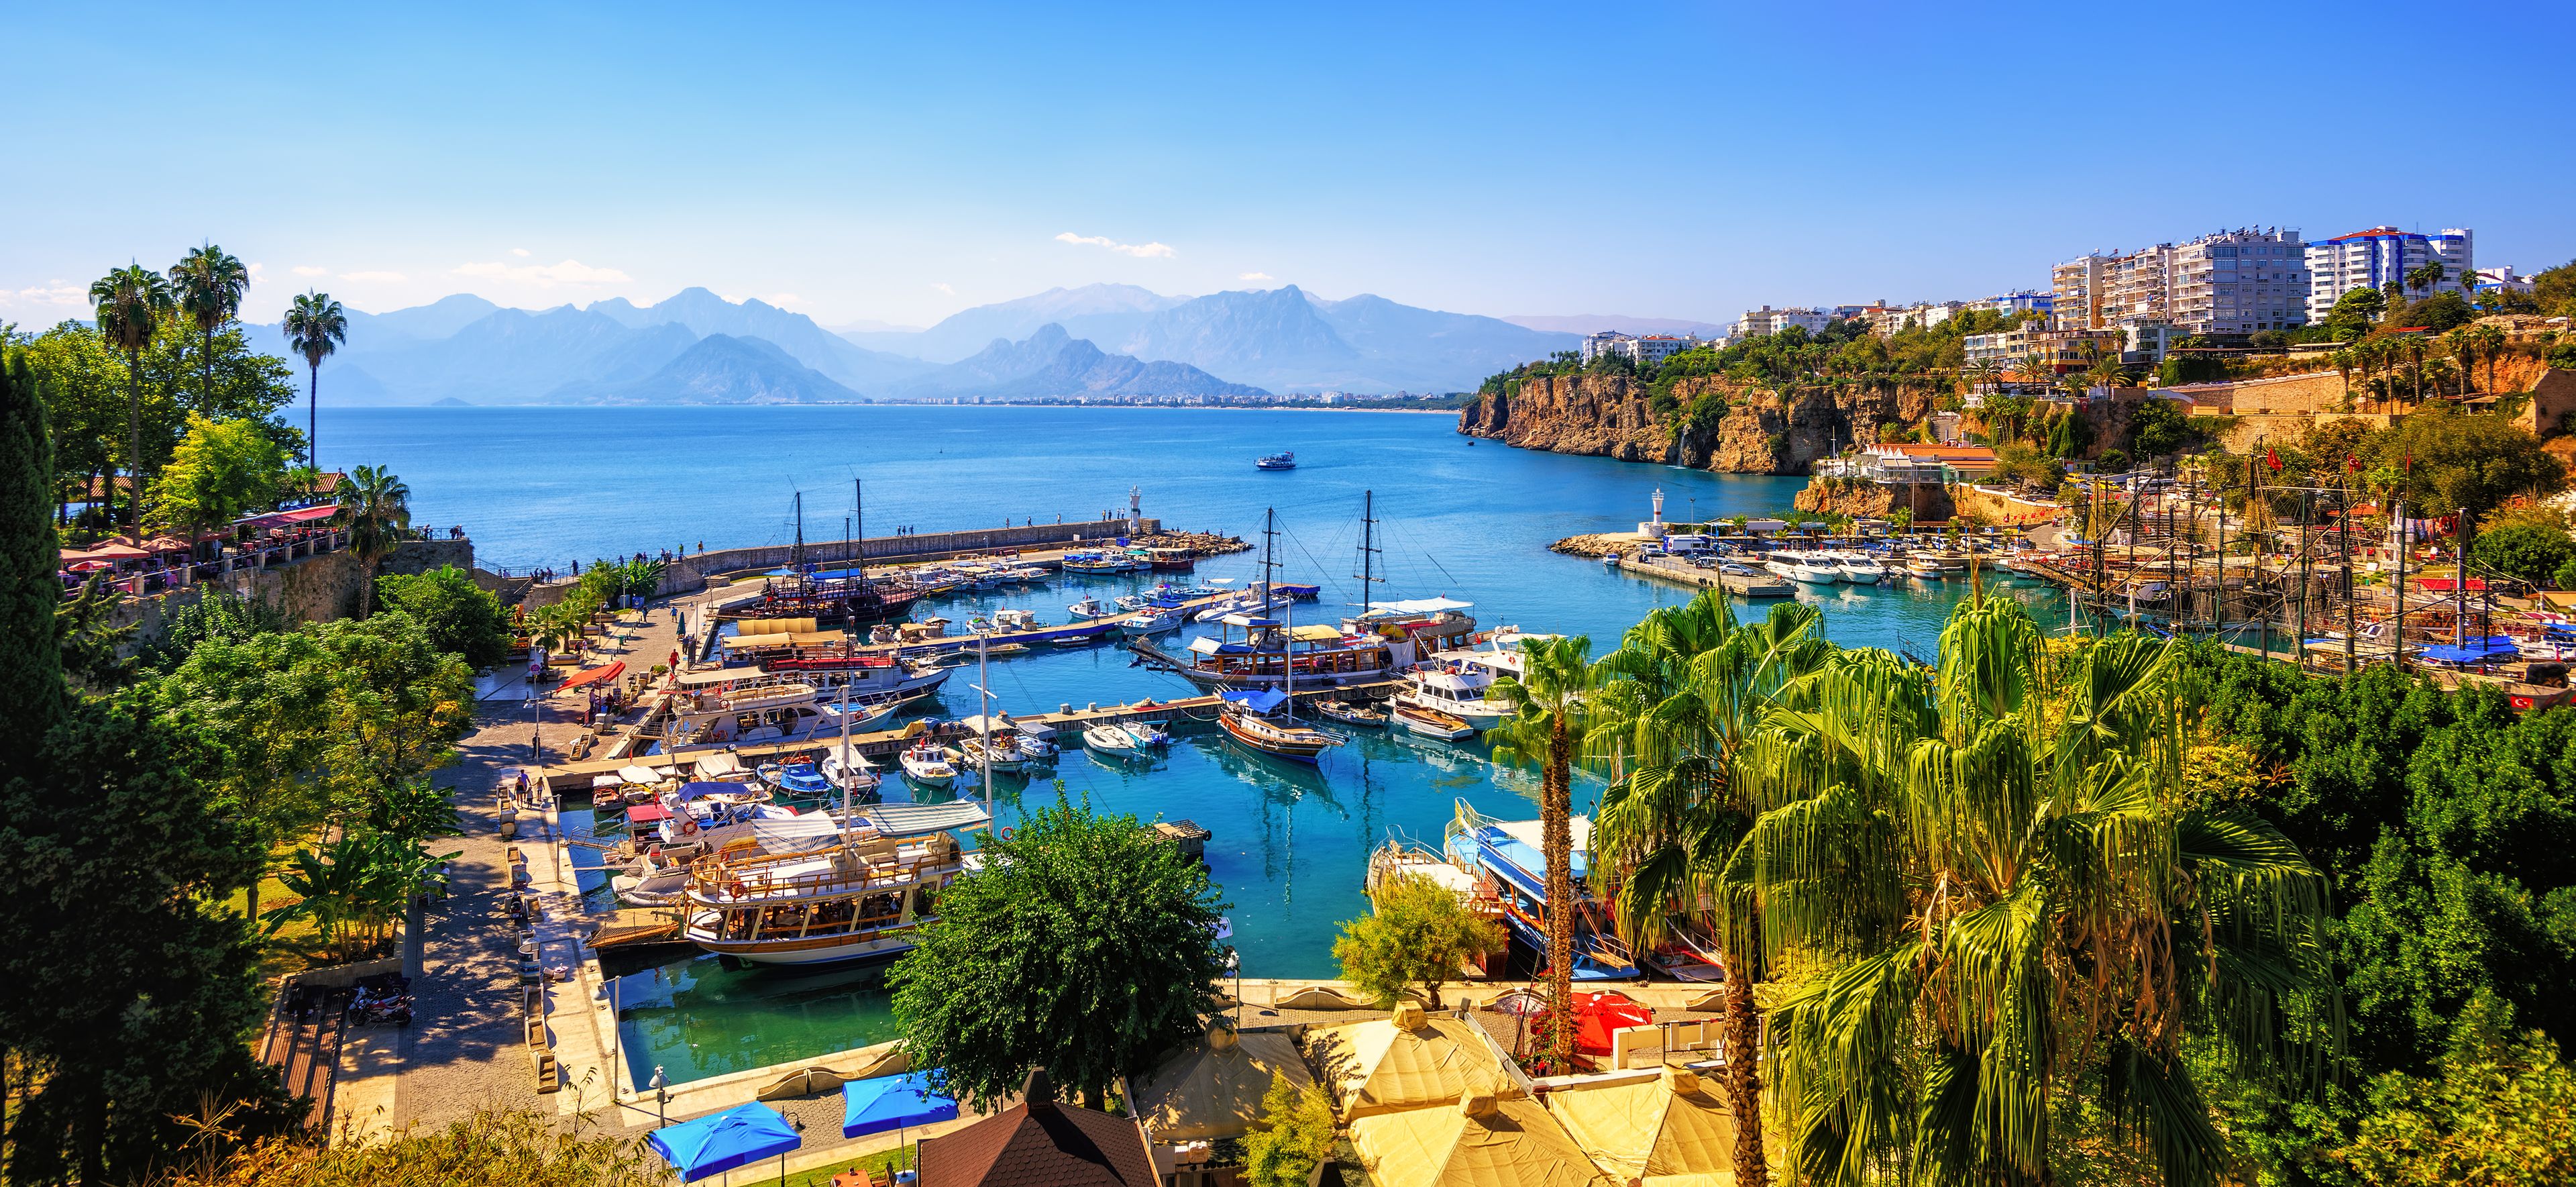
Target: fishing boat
850,772
1282,460
1351,712
1511,865
999,753
1095,562
1035,740
925,763
1171,560
1017,620
859,892
1089,607
1429,723
1113,740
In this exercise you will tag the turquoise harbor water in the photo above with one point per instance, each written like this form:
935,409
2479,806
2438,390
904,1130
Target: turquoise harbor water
551,485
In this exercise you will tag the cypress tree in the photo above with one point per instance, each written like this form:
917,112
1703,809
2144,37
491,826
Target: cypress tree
31,663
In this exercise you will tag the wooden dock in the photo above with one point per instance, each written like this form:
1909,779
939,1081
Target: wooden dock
1698,578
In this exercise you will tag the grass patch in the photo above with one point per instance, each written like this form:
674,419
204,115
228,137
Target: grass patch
883,1162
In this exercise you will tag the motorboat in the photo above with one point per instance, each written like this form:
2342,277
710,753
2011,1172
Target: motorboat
1454,684
1510,865
861,889
1351,712
1151,622
1429,723
1282,460
797,781
926,763
1090,607
1114,740
850,772
1017,620
1036,741
1000,753
1860,568
1804,567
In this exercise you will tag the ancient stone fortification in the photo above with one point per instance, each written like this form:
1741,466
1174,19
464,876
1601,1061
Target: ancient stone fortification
313,589
1764,431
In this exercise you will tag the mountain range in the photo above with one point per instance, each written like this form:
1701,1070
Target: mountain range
1099,340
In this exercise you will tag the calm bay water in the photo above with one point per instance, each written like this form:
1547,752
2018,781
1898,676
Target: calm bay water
552,485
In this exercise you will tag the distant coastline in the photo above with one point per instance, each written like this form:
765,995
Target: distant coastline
454,403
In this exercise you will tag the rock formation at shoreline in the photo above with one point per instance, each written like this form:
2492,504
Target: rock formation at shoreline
1761,431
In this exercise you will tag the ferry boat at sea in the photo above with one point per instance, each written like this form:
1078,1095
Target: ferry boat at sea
860,893
1283,460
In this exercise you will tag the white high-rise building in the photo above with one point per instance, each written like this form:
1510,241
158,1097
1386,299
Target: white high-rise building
1766,320
1605,342
2382,256
2233,282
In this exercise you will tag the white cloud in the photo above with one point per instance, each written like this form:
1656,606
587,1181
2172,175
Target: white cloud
53,294
1261,276
254,271
1138,250
520,252
372,276
783,300
545,276
310,270
943,288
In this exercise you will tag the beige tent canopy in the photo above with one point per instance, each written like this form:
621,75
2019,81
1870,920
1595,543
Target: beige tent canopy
719,675
1404,1062
1214,1090
775,626
1668,1129
1481,1140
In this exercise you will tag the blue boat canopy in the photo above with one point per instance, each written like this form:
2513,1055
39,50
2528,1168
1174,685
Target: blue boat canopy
719,1142
692,791
2474,653
1259,701
893,1102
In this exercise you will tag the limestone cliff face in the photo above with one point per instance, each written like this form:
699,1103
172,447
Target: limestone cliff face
1764,431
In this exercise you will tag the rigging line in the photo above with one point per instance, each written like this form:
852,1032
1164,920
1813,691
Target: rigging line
1326,574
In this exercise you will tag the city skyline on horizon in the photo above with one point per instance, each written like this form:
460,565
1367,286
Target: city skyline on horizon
545,159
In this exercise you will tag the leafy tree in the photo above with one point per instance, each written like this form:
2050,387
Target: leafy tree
87,630
30,660
2524,551
2157,428
1293,1136
2555,289
376,508
221,470
2499,1110
85,388
1085,946
2016,914
315,328
208,284
1419,934
1547,729
2354,312
129,305
2437,313
268,696
215,616
354,888
2468,462
462,618
398,706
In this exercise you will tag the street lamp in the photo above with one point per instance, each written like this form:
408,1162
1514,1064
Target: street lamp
799,1123
661,1095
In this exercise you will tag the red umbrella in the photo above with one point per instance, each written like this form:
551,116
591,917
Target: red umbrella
87,566
1601,1015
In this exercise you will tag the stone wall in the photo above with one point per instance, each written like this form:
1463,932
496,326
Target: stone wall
2320,391
312,589
2553,401
926,546
1860,497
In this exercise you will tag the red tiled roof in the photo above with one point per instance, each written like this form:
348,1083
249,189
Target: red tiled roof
1052,1145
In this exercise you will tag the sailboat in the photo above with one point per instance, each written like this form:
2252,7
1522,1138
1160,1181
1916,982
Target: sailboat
1245,719
802,590
1382,639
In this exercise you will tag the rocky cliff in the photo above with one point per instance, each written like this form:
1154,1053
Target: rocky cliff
1759,430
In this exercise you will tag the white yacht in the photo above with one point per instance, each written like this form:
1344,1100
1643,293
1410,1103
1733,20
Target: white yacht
1150,622
1090,607
1805,567
1860,568
847,893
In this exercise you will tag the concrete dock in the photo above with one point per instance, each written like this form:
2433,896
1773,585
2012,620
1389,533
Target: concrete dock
1681,572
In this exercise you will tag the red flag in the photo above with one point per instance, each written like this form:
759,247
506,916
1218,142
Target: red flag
2352,461
2410,461
2272,458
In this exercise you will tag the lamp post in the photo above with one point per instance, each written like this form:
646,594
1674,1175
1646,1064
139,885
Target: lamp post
661,1096
799,1123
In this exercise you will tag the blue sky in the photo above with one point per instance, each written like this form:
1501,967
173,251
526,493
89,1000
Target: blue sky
900,163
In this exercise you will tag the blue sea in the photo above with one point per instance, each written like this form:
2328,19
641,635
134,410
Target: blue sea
549,486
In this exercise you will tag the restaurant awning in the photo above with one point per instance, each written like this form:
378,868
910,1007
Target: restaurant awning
719,675
593,676
307,514
116,552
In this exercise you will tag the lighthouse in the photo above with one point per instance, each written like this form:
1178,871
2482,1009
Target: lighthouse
1653,529
1135,512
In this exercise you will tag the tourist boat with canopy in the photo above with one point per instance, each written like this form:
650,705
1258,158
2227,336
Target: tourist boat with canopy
855,890
1511,866
1282,460
1244,718
727,707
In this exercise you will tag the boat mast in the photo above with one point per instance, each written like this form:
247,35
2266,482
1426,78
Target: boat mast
984,718
1288,662
1368,550
1269,529
847,759
796,553
858,515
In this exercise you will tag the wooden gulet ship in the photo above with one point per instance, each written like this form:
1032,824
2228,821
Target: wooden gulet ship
861,896
840,596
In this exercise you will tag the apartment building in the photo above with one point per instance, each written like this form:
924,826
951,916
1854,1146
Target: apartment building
2233,282
2500,278
2063,351
2076,292
2382,256
1646,351
2023,301
1605,342
1766,320
1888,319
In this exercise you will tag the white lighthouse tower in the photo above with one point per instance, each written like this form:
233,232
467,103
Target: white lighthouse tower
1653,529
1135,512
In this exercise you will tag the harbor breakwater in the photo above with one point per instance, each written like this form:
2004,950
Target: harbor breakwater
692,572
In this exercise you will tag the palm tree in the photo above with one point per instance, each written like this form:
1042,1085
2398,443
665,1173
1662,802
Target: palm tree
1687,686
2426,277
2343,362
2017,909
2463,342
1547,729
209,283
130,303
376,507
315,327
2106,373
2490,342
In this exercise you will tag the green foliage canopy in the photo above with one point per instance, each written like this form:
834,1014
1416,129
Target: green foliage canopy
1419,934
461,618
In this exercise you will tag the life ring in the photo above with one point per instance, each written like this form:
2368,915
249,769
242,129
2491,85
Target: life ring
1007,833
687,826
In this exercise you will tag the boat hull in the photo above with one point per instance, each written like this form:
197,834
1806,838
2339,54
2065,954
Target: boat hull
1290,748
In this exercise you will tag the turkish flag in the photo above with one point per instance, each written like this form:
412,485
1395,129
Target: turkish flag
2272,458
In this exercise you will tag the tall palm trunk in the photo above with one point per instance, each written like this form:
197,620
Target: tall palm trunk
313,416
1557,833
133,446
1743,1080
210,370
